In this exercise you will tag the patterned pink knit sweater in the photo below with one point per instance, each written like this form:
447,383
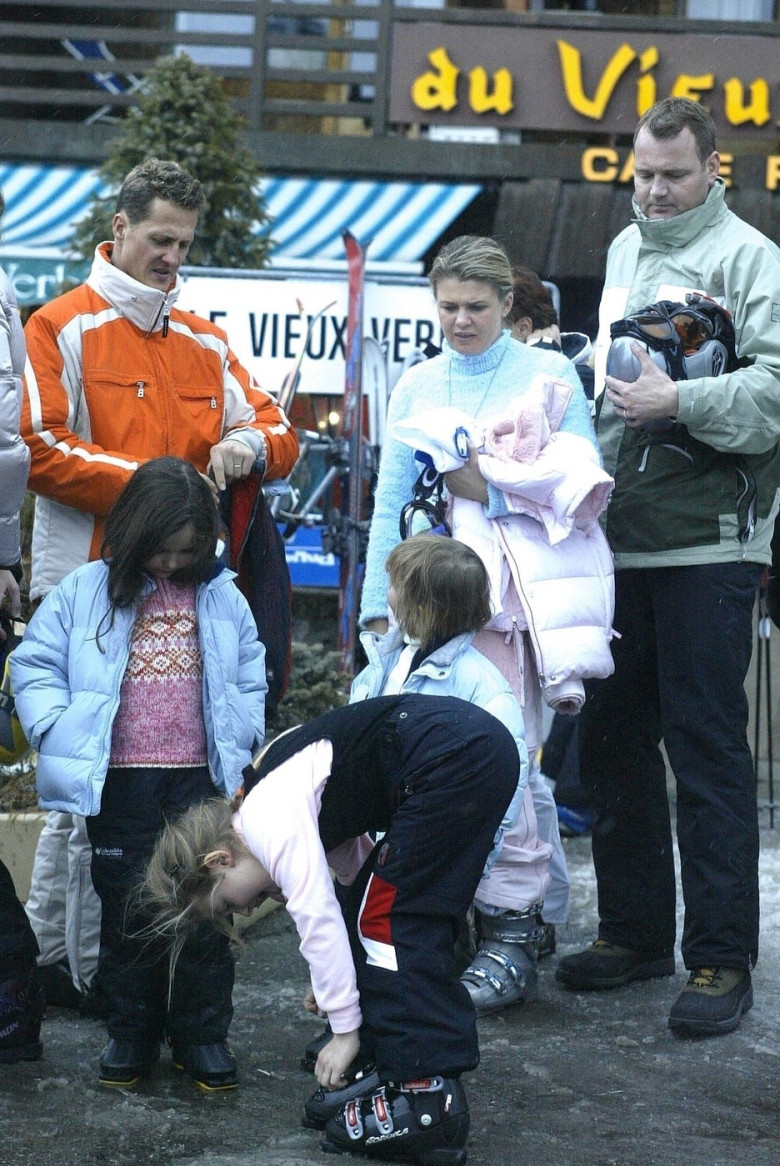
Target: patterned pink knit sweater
160,717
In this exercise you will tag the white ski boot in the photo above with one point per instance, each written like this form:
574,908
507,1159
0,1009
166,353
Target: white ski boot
504,970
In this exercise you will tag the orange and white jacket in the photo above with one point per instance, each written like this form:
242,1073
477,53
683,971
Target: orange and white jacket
115,376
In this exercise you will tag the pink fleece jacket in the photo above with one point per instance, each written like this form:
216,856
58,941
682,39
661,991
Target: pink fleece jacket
278,821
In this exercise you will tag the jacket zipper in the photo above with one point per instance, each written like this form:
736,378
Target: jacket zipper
526,611
746,531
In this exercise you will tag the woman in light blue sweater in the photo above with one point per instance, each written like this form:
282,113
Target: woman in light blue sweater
480,371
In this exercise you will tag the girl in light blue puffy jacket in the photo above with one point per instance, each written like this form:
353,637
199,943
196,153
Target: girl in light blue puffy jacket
141,682
440,597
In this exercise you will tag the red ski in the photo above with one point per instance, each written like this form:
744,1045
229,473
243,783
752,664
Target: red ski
353,532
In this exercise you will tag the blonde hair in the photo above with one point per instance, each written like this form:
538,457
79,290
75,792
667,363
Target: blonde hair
441,586
473,257
175,896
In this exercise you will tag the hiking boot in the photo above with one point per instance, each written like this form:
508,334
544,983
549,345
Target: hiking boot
504,970
212,1067
22,1006
605,965
124,1062
712,1002
426,1122
326,1103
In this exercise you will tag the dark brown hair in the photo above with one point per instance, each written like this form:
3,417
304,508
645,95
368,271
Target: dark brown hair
156,178
163,496
668,118
531,299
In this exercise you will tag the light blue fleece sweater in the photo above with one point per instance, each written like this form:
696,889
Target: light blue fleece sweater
481,386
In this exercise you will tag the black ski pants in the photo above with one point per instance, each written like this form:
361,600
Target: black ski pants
680,666
135,805
16,935
452,778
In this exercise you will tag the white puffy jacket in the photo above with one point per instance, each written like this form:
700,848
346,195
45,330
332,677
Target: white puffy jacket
566,587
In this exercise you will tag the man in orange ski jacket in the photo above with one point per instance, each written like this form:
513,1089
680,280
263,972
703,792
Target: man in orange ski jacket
117,375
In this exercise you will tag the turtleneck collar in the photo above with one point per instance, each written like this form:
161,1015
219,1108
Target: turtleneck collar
471,364
680,230
146,307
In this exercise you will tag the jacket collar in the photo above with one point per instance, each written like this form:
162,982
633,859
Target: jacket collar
667,234
141,305
393,641
219,575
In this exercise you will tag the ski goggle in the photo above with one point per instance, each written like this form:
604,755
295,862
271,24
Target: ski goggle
708,360
687,326
690,324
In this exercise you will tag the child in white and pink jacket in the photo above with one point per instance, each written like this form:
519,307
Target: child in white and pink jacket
440,597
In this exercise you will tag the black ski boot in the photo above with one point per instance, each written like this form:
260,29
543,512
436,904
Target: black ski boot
326,1103
22,1006
425,1122
504,970
362,1063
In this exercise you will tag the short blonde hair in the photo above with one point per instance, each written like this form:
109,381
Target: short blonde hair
441,586
473,257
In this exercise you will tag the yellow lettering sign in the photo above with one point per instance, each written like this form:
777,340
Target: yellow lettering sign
437,90
687,85
481,100
600,164
756,110
627,173
646,89
571,66
773,172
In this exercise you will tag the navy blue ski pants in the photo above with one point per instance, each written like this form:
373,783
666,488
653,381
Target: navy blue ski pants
455,778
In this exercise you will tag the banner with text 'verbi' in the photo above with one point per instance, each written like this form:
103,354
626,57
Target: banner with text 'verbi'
564,79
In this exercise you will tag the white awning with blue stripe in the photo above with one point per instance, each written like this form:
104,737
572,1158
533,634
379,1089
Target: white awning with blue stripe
402,219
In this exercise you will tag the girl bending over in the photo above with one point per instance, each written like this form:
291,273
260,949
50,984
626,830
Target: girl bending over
435,776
